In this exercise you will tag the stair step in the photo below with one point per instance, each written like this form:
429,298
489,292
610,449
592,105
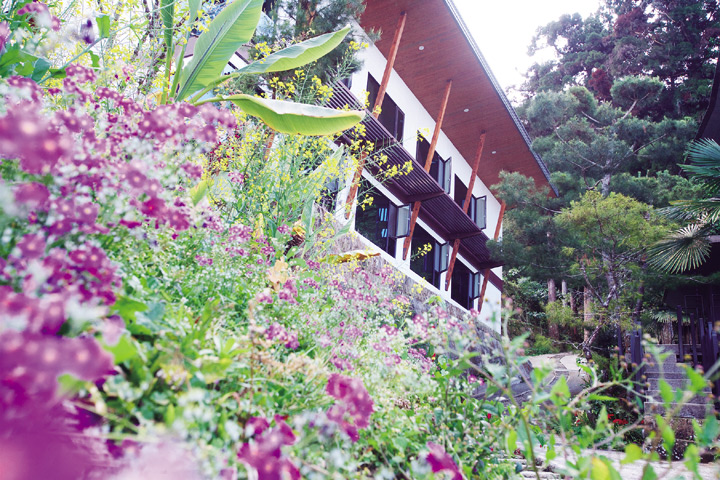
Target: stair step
689,410
674,375
700,399
680,383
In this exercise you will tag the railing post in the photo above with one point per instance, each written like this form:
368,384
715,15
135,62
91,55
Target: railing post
693,337
681,352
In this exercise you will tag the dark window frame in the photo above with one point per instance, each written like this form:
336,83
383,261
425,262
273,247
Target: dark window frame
475,203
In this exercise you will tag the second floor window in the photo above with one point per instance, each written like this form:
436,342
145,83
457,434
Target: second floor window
391,117
440,168
478,211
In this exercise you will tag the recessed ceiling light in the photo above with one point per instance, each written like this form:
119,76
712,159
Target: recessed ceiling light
421,47
494,152
466,110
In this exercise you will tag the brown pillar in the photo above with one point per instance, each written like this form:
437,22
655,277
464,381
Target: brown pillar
486,273
466,206
428,163
378,103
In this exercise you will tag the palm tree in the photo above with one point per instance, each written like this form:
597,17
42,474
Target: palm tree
689,246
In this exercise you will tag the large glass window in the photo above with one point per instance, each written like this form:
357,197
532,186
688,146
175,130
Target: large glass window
465,287
391,117
380,220
429,257
440,169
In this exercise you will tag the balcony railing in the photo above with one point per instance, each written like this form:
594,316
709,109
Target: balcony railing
438,209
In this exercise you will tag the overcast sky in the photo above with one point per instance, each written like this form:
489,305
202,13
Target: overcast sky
503,29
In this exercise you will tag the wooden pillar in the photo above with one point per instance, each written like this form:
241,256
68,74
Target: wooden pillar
486,273
466,206
553,329
428,163
378,103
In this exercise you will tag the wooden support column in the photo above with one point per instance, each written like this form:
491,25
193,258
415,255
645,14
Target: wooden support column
466,206
486,273
376,108
428,164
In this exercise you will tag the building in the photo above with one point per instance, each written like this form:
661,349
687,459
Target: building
442,110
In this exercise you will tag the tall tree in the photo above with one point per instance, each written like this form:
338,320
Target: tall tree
674,41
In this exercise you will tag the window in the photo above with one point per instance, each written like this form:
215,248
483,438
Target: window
474,286
328,195
382,222
465,286
439,168
399,221
433,262
478,211
441,251
391,117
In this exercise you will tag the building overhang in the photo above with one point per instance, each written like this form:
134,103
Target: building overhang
436,46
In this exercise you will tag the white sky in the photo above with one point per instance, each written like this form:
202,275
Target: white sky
503,30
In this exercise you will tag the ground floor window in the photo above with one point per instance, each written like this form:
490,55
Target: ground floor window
465,286
379,220
429,257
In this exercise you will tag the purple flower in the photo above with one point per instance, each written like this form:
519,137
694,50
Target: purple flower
265,454
4,34
439,460
31,246
353,407
34,195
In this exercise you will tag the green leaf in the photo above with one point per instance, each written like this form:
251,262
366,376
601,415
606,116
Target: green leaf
124,350
666,391
41,68
95,59
632,453
649,473
297,118
194,6
103,23
667,433
169,415
560,391
511,441
126,307
198,192
697,381
297,55
710,431
167,11
600,470
233,27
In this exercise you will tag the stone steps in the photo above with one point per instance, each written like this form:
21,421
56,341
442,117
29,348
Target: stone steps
700,399
688,410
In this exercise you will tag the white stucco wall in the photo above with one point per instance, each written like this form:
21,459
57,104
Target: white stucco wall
418,119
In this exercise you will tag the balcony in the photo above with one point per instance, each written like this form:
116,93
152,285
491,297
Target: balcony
438,210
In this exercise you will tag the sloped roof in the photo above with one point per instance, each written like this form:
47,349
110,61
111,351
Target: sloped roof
449,52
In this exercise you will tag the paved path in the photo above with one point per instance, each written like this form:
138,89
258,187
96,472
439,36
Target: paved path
565,364
634,471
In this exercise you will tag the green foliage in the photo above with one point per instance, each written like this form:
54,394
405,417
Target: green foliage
233,27
689,246
286,117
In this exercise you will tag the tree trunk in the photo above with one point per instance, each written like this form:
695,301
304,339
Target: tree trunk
563,290
552,298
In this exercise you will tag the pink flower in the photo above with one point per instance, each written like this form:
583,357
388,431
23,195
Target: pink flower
31,246
34,195
353,407
4,34
265,454
439,460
